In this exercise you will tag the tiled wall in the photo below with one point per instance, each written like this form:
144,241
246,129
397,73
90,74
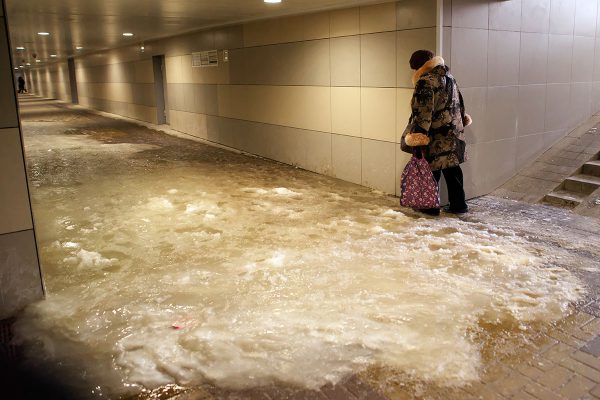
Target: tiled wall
20,281
117,86
328,92
51,81
529,71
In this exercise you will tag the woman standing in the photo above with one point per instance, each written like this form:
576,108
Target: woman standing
437,124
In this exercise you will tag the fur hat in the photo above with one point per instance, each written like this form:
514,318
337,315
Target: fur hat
419,58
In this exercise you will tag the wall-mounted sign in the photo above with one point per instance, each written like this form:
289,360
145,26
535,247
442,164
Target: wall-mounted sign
208,58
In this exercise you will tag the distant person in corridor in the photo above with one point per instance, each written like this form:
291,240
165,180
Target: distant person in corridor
21,85
437,125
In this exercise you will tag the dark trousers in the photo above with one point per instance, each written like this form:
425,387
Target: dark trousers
454,181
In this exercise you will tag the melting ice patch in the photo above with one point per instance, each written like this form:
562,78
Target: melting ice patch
159,203
89,259
285,192
280,191
257,295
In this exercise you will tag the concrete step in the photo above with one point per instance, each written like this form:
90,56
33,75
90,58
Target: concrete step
564,198
592,168
582,183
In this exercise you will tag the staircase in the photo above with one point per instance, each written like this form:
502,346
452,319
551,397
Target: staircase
578,187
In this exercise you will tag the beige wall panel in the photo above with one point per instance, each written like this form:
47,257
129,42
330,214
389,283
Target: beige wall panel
346,158
470,14
379,165
586,12
145,113
408,42
144,71
345,110
490,164
186,44
378,60
280,30
378,114
306,107
290,29
173,65
316,26
528,149
378,18
189,99
238,66
174,120
595,97
122,92
144,94
318,151
261,33
117,107
206,99
413,14
200,126
231,37
345,61
261,65
186,68
116,73
15,214
175,96
403,108
212,75
185,122
316,67
345,22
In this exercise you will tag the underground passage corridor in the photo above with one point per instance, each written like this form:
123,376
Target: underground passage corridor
200,200
174,269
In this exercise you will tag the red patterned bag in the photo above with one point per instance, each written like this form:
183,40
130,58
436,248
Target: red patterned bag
418,188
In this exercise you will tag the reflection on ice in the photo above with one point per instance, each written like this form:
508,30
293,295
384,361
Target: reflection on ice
244,275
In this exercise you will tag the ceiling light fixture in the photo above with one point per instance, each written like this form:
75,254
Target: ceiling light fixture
43,33
78,48
38,60
28,64
272,1
20,48
16,69
128,34
52,55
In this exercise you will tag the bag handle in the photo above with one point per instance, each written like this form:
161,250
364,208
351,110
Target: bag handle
418,152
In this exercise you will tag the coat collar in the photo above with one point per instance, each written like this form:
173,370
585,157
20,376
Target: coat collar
428,66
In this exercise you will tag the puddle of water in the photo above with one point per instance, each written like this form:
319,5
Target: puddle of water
214,267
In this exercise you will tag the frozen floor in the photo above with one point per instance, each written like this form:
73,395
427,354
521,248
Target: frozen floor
168,261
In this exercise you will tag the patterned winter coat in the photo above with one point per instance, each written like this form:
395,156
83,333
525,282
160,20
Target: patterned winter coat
437,111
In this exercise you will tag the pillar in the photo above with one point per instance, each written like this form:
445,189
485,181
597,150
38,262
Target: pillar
20,276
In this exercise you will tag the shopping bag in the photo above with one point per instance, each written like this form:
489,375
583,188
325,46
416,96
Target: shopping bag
418,188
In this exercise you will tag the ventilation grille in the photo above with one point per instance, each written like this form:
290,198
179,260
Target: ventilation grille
205,59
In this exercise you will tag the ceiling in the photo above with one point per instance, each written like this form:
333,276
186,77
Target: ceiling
96,25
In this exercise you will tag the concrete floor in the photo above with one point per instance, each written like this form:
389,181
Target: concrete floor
560,360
